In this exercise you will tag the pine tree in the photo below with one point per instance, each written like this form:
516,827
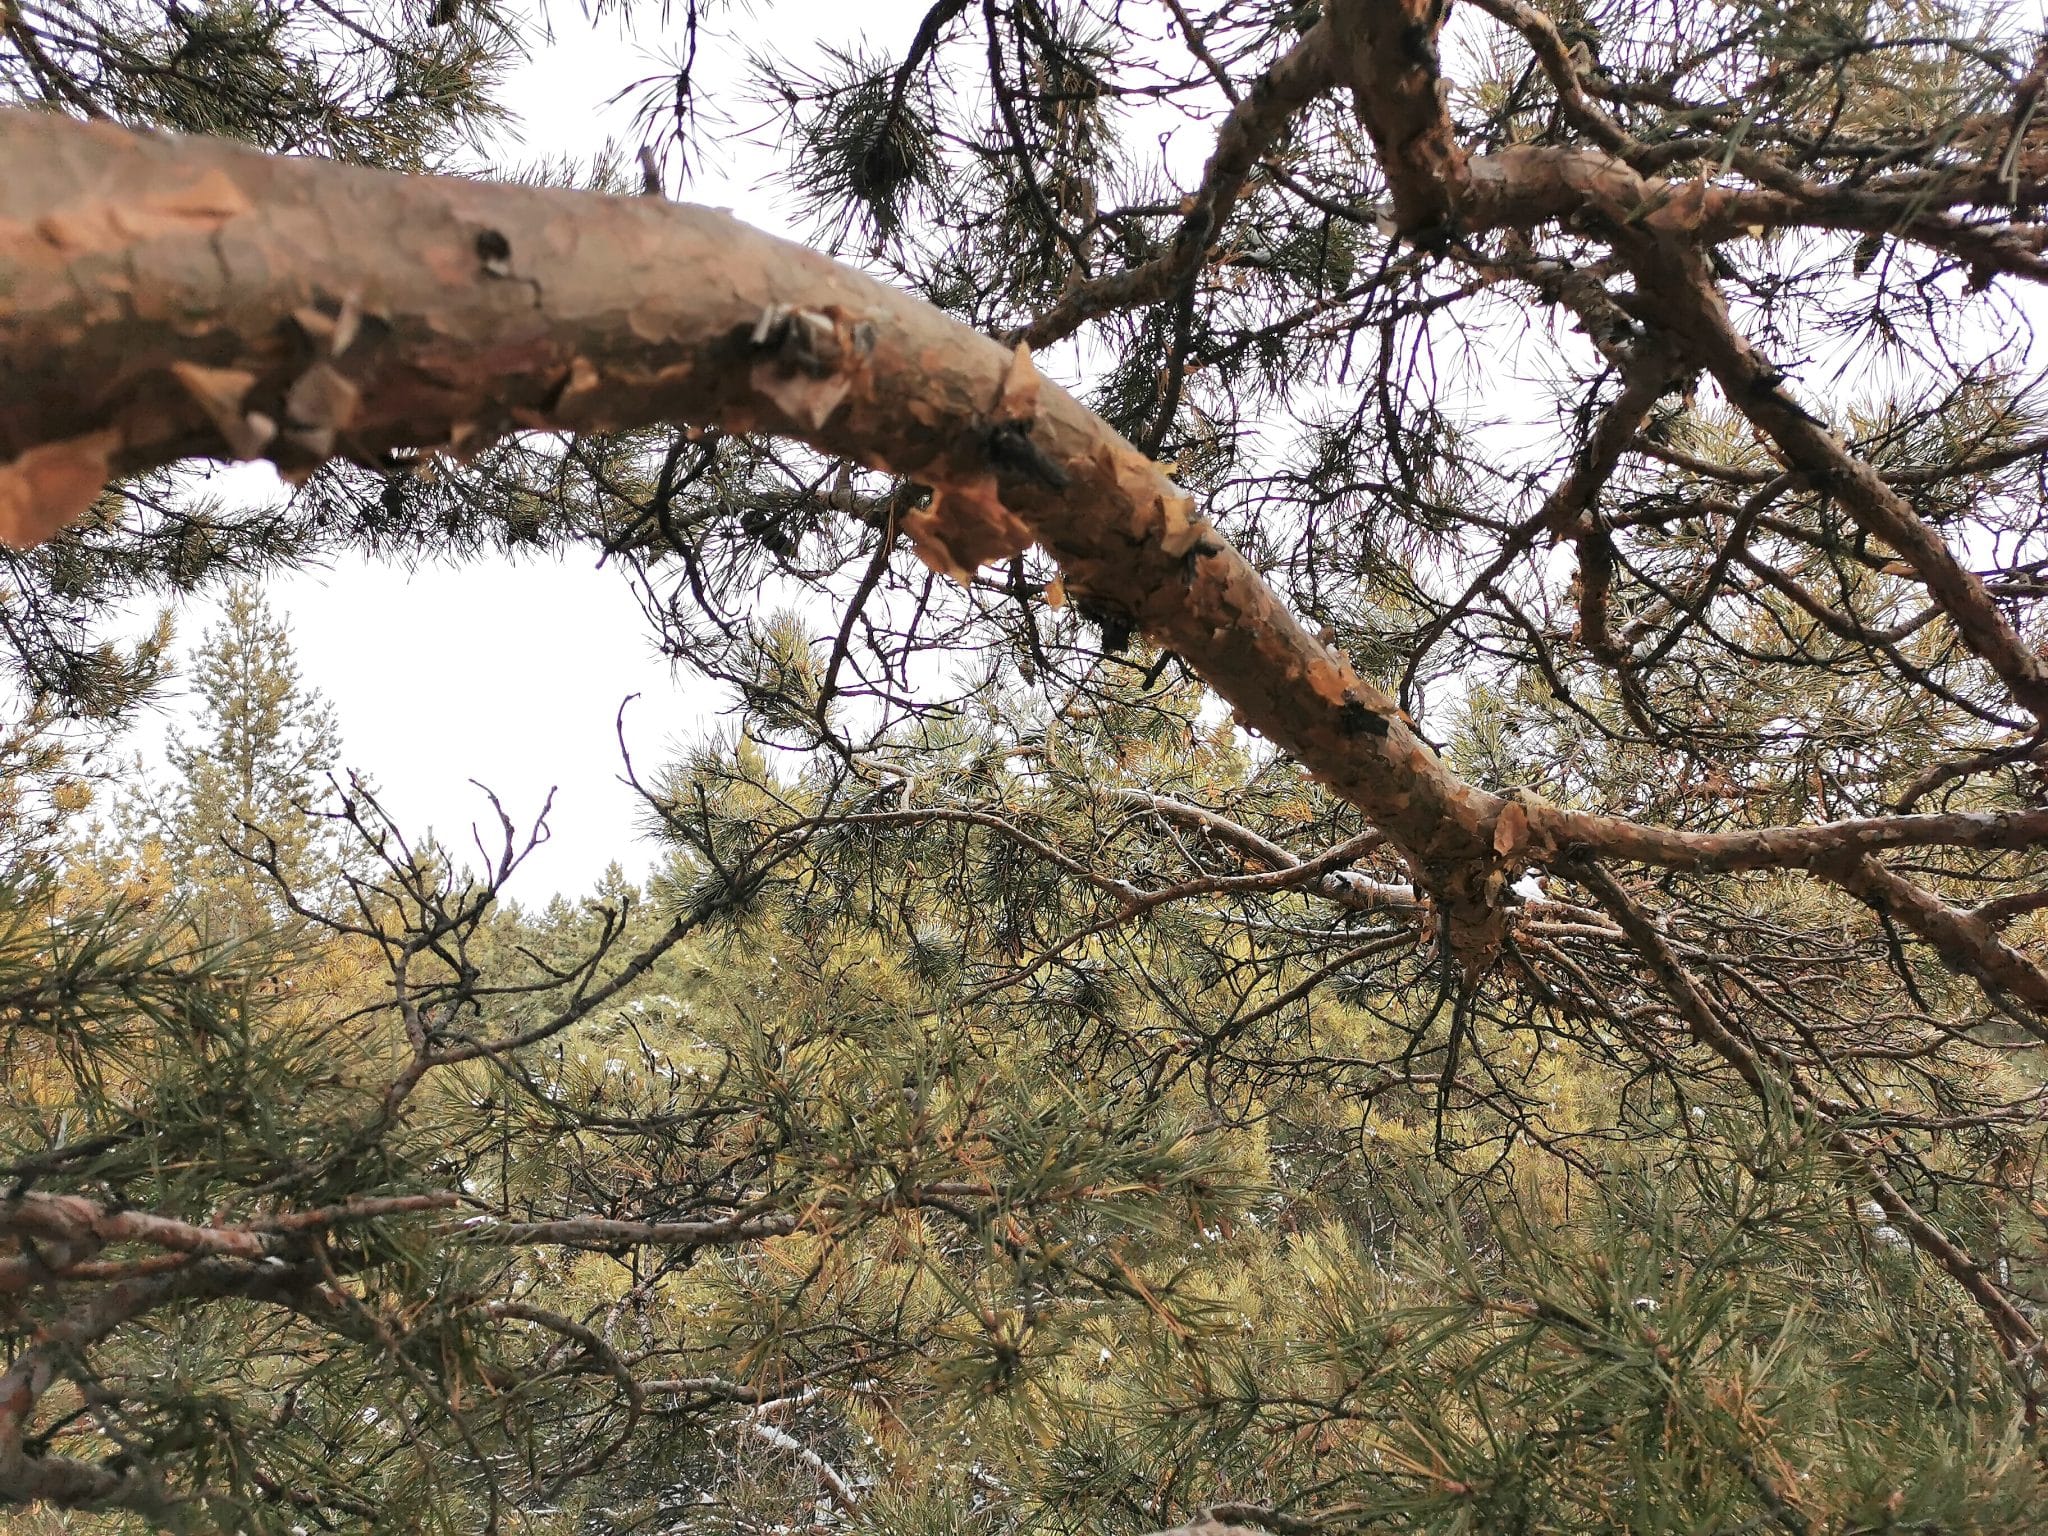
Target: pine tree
247,779
1552,1042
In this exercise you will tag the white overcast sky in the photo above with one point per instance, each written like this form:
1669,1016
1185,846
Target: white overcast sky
543,651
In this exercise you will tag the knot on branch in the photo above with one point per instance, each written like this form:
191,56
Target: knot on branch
1472,888
1011,451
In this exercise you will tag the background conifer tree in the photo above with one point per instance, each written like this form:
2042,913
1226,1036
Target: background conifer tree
250,775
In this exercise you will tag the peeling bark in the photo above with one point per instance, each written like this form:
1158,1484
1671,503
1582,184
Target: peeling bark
1397,85
164,298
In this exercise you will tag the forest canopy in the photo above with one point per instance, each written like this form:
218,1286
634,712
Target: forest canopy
1377,864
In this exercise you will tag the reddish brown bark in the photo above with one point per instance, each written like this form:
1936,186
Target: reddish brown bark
164,298
1390,62
1677,289
1660,229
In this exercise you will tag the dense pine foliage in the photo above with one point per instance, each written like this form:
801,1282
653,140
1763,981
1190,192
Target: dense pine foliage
1020,1099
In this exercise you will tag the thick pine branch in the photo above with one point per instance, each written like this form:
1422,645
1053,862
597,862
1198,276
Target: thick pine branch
206,292
228,303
